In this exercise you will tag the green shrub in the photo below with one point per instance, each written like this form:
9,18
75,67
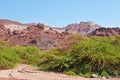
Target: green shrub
113,40
3,45
104,73
95,57
55,61
85,58
8,59
70,73
116,42
29,54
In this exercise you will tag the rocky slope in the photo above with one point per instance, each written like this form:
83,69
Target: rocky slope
82,28
46,37
105,32
37,35
13,25
4,33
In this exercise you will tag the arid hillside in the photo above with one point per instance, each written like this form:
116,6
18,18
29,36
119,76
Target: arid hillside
46,37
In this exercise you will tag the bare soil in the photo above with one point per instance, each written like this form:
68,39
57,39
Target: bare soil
27,72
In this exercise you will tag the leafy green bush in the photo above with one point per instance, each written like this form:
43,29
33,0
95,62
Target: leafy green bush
113,40
8,59
54,60
116,41
69,72
86,57
104,73
95,57
3,45
29,54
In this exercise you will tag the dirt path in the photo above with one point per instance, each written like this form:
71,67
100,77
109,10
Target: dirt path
26,72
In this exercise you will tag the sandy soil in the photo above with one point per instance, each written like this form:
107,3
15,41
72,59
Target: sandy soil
26,72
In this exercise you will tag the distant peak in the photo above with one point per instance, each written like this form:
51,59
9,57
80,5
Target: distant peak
6,21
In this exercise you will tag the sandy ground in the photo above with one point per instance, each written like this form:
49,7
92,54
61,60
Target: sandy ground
26,72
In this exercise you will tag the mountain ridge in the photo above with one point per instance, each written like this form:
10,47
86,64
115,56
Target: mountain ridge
14,25
46,37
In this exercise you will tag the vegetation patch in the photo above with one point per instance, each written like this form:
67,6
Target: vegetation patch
94,55
8,57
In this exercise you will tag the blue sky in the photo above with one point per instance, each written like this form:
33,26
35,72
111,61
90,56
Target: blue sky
60,13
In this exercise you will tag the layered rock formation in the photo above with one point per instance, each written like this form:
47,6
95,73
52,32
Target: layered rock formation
38,36
82,28
46,37
105,32
13,25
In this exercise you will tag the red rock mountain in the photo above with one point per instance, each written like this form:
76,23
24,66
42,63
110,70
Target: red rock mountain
46,37
82,28
105,32
13,25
